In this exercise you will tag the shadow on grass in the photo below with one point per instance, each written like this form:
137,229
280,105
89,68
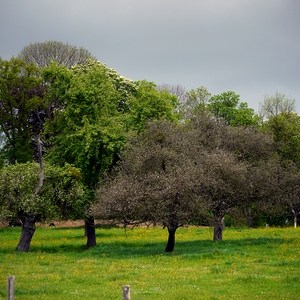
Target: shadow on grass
75,243
123,250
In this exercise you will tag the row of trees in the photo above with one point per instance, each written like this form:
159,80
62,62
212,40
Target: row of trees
196,171
134,151
81,114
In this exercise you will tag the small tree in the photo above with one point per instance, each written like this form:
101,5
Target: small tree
58,194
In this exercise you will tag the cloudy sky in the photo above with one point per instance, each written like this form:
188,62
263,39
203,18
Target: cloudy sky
251,47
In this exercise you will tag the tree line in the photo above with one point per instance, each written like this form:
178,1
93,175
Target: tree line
78,140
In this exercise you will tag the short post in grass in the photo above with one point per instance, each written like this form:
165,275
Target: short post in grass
10,287
126,292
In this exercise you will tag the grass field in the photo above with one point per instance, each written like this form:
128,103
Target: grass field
248,264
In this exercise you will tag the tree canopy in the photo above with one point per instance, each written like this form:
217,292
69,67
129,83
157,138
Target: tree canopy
276,104
153,153
228,107
21,97
172,174
99,109
61,196
42,54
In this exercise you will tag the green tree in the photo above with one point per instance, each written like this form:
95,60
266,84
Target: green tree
21,97
150,104
227,106
98,110
59,195
42,54
88,129
285,128
196,101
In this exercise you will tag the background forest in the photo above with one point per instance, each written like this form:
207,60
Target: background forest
79,141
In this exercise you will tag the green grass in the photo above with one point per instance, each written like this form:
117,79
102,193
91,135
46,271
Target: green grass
248,264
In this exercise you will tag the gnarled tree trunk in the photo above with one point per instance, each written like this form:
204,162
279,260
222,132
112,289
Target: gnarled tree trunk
172,227
171,240
28,229
219,224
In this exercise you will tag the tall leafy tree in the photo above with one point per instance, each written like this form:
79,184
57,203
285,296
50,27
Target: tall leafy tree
150,104
21,98
98,109
87,131
285,128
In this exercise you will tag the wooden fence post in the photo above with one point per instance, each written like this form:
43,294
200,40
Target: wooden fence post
10,287
126,292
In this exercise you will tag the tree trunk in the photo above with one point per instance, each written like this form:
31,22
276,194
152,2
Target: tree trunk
219,227
28,229
90,232
249,219
295,217
28,219
171,240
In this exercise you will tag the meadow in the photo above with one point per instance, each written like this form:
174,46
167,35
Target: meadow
248,264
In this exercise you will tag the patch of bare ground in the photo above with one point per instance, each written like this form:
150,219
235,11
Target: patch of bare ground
80,223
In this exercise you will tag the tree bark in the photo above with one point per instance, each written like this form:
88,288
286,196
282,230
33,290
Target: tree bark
219,227
171,240
28,229
90,231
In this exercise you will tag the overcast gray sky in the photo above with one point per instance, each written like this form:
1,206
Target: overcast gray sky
251,47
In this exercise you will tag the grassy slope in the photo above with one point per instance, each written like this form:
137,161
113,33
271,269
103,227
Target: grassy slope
248,264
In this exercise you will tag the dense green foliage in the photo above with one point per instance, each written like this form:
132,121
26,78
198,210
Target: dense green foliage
208,157
248,264
285,128
228,107
61,195
100,108
21,96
